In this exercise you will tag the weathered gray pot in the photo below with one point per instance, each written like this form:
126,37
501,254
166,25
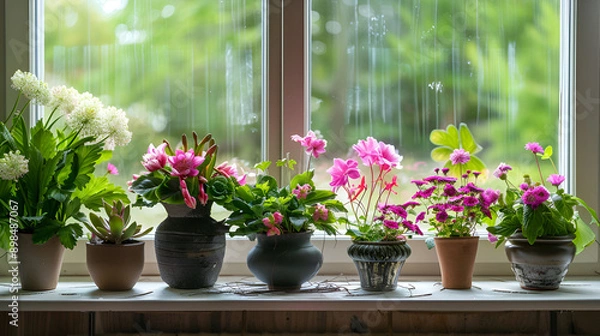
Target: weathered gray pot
379,263
190,247
544,264
286,261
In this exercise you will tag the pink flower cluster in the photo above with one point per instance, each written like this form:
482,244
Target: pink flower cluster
534,196
184,164
313,145
394,216
451,204
272,222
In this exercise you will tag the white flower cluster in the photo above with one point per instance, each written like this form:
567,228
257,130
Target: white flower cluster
31,87
84,112
13,165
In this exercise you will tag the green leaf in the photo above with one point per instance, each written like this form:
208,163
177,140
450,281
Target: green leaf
467,141
68,235
441,154
565,209
44,140
547,153
584,235
298,221
263,165
302,179
448,138
44,232
19,132
533,222
319,196
98,189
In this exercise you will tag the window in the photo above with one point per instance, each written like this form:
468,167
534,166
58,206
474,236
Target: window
367,57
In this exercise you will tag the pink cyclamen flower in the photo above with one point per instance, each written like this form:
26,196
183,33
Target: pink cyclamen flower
556,179
341,171
535,196
187,198
184,164
534,147
321,213
460,156
367,150
501,171
387,157
312,144
228,170
112,169
155,158
301,191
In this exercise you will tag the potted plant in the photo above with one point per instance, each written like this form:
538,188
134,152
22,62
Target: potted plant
189,243
542,227
378,227
112,248
455,206
47,174
284,219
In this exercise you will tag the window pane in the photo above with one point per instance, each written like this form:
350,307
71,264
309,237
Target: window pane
396,70
175,67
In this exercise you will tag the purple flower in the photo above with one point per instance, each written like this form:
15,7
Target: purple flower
470,201
420,217
556,179
398,211
412,227
391,224
534,147
418,183
449,190
457,208
501,171
445,170
410,204
460,156
535,196
441,216
489,196
427,192
524,186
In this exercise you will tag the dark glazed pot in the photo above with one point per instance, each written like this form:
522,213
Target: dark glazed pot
379,263
286,261
544,264
115,267
39,266
456,256
190,247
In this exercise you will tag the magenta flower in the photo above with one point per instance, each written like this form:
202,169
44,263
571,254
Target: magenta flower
228,170
184,164
524,186
114,171
470,201
312,144
391,224
410,204
389,186
418,183
449,190
489,196
534,147
271,223
367,150
535,196
321,213
202,195
492,238
556,179
341,171
187,198
155,158
412,227
301,191
460,156
420,217
441,216
501,171
457,208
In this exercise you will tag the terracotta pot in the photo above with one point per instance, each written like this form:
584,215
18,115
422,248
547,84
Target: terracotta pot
190,247
286,261
379,263
115,267
544,264
39,266
456,256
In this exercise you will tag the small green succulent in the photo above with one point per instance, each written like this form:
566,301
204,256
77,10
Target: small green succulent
116,229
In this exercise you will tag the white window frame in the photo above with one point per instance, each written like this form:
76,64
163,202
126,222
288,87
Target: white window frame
287,102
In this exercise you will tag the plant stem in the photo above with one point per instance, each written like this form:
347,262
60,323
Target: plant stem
537,162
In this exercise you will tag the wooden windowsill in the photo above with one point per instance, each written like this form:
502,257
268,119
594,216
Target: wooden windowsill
324,294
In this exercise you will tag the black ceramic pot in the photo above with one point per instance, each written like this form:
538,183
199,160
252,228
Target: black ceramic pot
286,261
190,247
542,265
379,263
